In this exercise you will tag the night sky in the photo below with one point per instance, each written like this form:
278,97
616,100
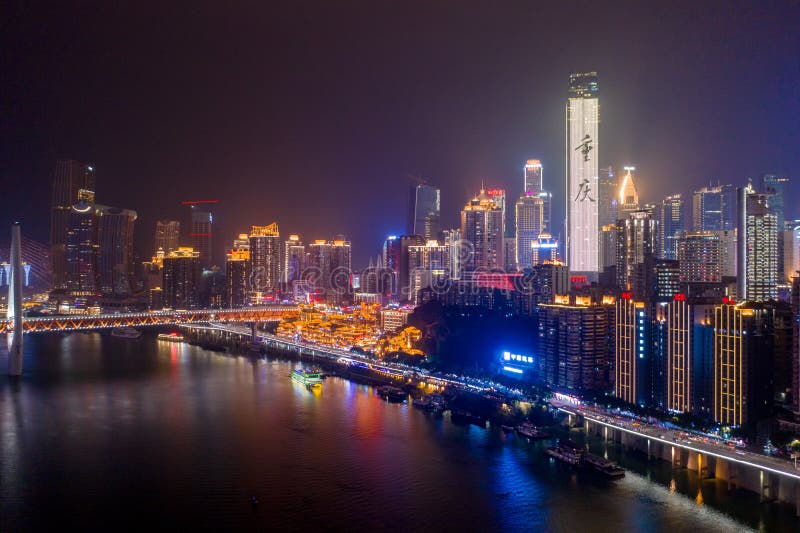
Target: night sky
313,114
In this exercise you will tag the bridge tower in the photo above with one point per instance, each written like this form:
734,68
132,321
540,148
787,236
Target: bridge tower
14,313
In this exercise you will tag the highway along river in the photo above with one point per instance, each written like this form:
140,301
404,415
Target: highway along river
110,433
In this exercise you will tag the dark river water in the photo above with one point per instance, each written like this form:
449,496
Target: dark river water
106,433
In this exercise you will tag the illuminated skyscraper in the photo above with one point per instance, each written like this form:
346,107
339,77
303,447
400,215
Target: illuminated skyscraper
628,196
331,267
483,228
424,212
115,250
265,264
532,182
181,278
294,258
544,248
635,245
700,256
791,249
168,235
608,197
757,254
774,186
429,265
670,224
582,115
201,229
630,349
529,224
70,177
80,276
714,208
237,278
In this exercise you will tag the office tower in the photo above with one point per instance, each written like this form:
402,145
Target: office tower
582,174
608,246
774,186
115,250
452,239
576,344
405,242
429,265
665,281
483,228
746,346
791,249
728,252
757,254
237,278
529,224
510,253
294,258
265,262
700,256
200,229
180,279
607,197
532,180
547,210
670,224
549,279
80,276
628,196
341,267
630,348
635,243
69,178
168,235
424,211
391,253
714,208
319,264
544,248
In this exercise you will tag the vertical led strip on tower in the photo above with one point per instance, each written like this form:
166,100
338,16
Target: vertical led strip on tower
582,174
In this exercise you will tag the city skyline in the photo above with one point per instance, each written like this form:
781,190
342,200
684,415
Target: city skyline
455,145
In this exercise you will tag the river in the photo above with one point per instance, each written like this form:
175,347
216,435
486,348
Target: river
105,433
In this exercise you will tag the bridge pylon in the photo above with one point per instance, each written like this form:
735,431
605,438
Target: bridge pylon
14,312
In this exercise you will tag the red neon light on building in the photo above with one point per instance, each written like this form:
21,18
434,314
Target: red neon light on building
496,192
626,296
726,300
680,297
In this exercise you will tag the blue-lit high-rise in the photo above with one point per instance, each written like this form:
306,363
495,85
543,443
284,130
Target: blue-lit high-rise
424,212
670,224
714,208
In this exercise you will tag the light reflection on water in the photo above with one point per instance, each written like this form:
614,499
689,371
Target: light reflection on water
105,432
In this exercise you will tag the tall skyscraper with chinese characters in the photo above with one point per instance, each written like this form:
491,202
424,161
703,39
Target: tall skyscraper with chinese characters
483,228
582,115
757,253
424,211
70,177
532,184
265,264
168,235
670,225
714,208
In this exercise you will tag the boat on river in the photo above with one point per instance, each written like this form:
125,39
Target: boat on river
308,378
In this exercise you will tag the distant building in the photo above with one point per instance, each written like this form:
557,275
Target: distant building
181,277
265,262
424,212
700,256
115,251
429,265
168,235
294,259
607,197
544,248
757,254
628,195
532,180
530,223
670,225
201,229
483,228
714,208
631,344
70,177
237,278
635,243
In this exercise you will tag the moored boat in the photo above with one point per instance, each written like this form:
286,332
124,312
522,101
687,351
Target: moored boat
170,337
307,378
392,394
126,333
528,430
607,468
